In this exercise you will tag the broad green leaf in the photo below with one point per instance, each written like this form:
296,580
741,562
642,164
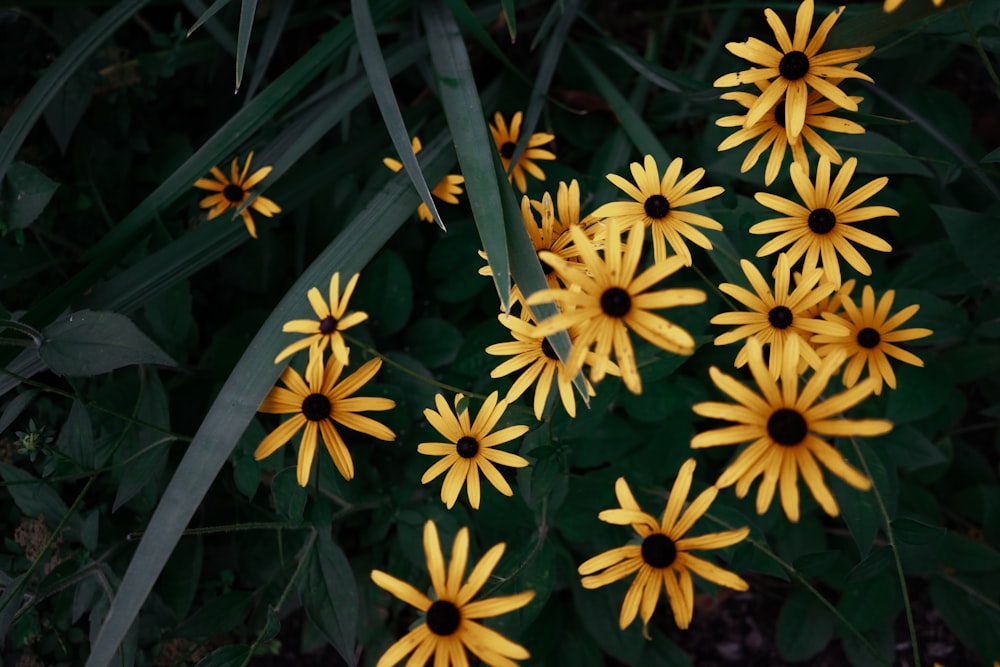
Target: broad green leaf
910,449
178,585
67,108
15,407
140,462
433,341
913,531
248,8
385,292
26,193
227,656
330,595
879,651
877,562
975,237
88,343
35,497
867,604
239,397
973,622
289,497
76,438
473,143
381,85
878,155
27,111
220,614
805,626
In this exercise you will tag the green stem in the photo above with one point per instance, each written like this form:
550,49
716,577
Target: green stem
36,336
788,567
890,537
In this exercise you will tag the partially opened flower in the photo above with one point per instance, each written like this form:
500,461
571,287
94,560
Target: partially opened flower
786,428
605,299
506,138
770,132
657,203
664,558
447,190
231,193
471,448
871,338
823,228
316,404
449,625
796,68
774,318
332,319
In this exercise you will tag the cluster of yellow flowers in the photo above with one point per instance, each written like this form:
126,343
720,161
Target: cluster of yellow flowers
806,318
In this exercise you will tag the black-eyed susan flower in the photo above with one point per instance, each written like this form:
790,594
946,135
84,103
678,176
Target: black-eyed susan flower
828,304
657,203
506,138
774,318
447,190
892,5
538,362
795,68
317,403
449,625
786,427
664,558
332,320
471,448
822,227
604,299
871,338
770,132
231,193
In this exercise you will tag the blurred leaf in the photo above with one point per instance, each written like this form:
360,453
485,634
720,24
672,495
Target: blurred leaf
509,19
878,561
913,531
247,10
879,155
34,497
975,236
867,604
385,292
212,10
533,570
974,623
88,343
26,193
859,508
289,497
910,449
599,610
662,652
992,156
964,554
220,614
15,407
76,437
64,112
272,35
433,341
805,626
178,585
919,393
227,656
881,637
330,595
246,473
145,470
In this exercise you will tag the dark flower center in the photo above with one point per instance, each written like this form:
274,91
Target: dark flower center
794,65
822,220
507,149
443,618
233,193
546,268
328,325
656,207
869,338
548,351
786,427
658,550
780,317
616,302
467,446
316,407
779,114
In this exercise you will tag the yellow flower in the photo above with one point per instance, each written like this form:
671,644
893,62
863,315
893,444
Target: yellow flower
331,321
776,318
604,299
891,6
772,134
231,193
506,140
449,626
663,558
656,206
823,228
828,304
871,336
471,448
796,68
447,190
316,404
783,426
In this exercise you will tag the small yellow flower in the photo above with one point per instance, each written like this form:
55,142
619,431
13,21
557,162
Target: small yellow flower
449,626
471,448
663,559
506,141
232,192
331,321
447,190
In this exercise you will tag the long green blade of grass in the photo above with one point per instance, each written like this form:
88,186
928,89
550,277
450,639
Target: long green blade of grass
239,398
381,84
473,143
247,11
272,35
212,10
34,103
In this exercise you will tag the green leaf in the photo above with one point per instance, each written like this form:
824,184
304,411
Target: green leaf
869,603
272,35
912,531
805,626
975,236
76,437
963,554
15,407
220,614
34,497
289,497
67,108
973,622
179,583
330,595
879,155
433,341
881,638
88,343
877,562
144,456
212,10
227,656
910,449
248,8
385,292
992,156
509,19
26,193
